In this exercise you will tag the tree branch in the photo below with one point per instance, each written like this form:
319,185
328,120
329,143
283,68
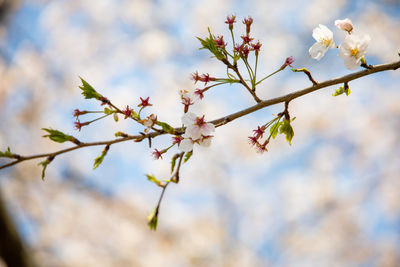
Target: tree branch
224,120
347,78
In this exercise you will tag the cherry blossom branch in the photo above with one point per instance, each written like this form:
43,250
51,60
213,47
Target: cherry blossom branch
273,101
221,121
136,138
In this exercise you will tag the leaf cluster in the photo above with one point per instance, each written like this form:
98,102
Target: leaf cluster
209,44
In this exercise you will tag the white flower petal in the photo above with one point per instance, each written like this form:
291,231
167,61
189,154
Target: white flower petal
317,51
188,118
207,129
193,131
351,63
345,24
205,142
364,42
353,49
186,145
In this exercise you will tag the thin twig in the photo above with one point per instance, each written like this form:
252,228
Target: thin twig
136,138
308,73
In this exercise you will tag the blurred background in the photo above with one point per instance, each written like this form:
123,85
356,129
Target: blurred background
330,199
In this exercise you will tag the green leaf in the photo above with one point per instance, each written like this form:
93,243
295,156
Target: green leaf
152,220
347,91
88,91
44,164
120,134
187,156
166,127
58,136
6,154
287,129
99,159
153,179
108,111
173,162
339,91
210,45
274,129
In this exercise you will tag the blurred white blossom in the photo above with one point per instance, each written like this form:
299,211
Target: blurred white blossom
345,24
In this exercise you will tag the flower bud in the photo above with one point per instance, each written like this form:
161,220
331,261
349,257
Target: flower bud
230,20
345,25
288,62
248,21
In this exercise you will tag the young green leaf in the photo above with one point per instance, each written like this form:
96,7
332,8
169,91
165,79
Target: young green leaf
347,91
44,164
187,156
7,154
152,220
153,179
108,111
166,127
59,137
210,45
339,91
173,162
287,129
88,91
99,159
274,129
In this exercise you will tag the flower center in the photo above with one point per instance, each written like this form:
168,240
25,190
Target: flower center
200,121
354,52
326,42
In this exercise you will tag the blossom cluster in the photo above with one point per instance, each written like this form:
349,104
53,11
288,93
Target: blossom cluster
352,50
198,131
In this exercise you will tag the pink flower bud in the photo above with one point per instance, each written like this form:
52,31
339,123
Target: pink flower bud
288,62
144,102
256,47
78,112
78,125
253,140
157,154
248,21
127,112
247,39
345,25
245,51
199,93
219,41
258,133
230,20
177,139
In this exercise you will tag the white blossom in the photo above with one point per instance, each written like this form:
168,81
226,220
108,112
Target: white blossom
344,24
205,141
149,122
186,145
197,131
196,127
324,41
353,49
